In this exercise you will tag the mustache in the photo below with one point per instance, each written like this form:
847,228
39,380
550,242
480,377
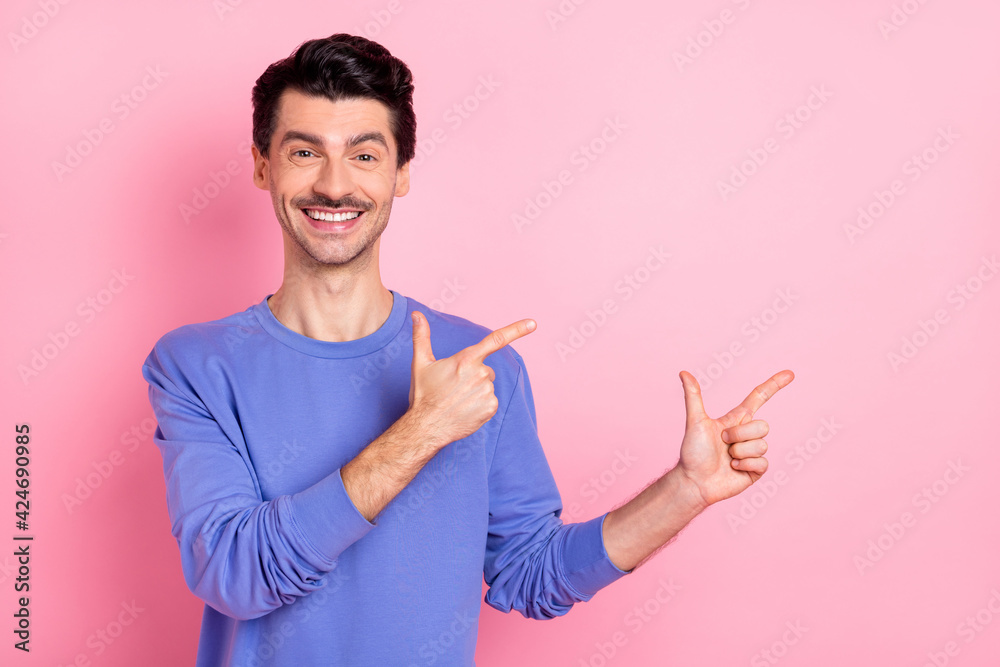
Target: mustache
325,202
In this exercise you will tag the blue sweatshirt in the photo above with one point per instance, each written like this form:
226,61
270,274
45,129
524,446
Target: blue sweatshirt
255,422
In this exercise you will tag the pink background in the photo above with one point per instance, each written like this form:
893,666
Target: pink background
877,432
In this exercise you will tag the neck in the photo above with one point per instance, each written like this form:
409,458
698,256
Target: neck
334,306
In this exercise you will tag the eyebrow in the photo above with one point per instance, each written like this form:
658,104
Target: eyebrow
352,141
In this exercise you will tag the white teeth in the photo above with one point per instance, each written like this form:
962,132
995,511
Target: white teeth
332,217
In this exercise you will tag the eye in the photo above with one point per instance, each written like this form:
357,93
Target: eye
302,150
370,157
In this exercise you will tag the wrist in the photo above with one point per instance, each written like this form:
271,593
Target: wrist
686,489
417,428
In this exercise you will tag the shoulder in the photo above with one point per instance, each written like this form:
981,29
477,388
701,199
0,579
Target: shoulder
190,346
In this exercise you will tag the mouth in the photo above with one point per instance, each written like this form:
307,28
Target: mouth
327,220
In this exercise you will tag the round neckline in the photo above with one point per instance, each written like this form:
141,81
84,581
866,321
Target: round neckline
330,349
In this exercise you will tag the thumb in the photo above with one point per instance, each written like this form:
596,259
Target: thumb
422,352
693,405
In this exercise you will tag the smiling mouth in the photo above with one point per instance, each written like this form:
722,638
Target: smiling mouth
327,216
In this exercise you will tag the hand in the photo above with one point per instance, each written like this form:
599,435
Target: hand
453,397
724,456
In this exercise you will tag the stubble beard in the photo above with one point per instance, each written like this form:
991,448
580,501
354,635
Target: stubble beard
335,252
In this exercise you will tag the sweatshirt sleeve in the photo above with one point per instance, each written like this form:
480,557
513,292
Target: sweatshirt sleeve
241,555
534,562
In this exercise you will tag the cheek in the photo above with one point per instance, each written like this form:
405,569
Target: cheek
290,185
385,189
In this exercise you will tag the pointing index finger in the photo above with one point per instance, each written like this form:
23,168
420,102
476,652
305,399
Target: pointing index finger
761,393
500,338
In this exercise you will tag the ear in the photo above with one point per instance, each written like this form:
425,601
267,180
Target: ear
261,177
403,180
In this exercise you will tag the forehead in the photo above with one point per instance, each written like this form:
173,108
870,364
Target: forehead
334,121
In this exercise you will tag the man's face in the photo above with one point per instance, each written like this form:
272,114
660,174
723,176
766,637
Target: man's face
334,158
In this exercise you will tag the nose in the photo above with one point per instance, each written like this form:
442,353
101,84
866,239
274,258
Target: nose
334,180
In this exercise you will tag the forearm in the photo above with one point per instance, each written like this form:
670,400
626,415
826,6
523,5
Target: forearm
382,469
233,544
638,529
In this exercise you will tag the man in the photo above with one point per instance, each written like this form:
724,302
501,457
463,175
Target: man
342,462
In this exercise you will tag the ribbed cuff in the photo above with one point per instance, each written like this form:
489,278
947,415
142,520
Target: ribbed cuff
585,561
327,518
